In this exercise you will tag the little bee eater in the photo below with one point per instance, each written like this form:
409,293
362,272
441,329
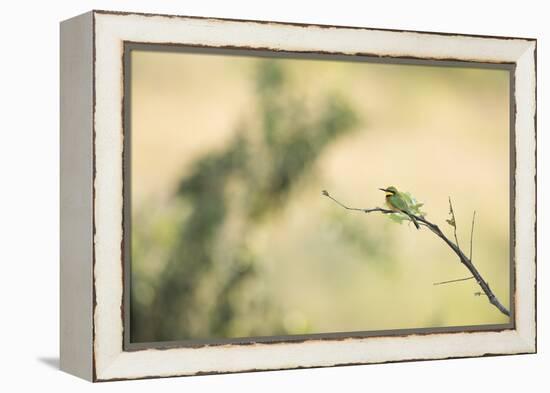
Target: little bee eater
398,203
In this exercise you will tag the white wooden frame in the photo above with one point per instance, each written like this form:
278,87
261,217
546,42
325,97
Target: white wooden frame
92,324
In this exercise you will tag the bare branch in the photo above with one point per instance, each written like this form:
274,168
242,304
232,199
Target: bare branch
453,220
376,209
450,281
472,234
463,258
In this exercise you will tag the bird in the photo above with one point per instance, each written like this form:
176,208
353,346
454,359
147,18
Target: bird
397,202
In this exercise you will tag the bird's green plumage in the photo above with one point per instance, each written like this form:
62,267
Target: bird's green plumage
398,201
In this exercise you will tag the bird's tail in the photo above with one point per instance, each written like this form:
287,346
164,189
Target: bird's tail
412,219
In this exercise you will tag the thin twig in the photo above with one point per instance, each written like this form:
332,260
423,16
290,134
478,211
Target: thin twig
472,234
453,220
450,281
376,209
463,258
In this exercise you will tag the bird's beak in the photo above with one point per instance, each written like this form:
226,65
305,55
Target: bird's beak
383,189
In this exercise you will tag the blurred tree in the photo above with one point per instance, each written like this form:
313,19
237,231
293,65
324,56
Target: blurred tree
211,284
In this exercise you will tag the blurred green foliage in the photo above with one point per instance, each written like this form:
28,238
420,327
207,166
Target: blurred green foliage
209,284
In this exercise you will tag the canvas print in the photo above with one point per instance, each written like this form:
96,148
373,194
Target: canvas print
284,195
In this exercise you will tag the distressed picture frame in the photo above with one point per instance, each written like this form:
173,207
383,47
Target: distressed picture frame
94,211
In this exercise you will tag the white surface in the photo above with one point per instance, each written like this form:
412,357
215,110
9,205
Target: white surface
76,196
112,363
29,198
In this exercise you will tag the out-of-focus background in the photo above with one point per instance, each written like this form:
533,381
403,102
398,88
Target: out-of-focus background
230,234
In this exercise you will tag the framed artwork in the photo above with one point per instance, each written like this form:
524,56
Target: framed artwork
244,195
